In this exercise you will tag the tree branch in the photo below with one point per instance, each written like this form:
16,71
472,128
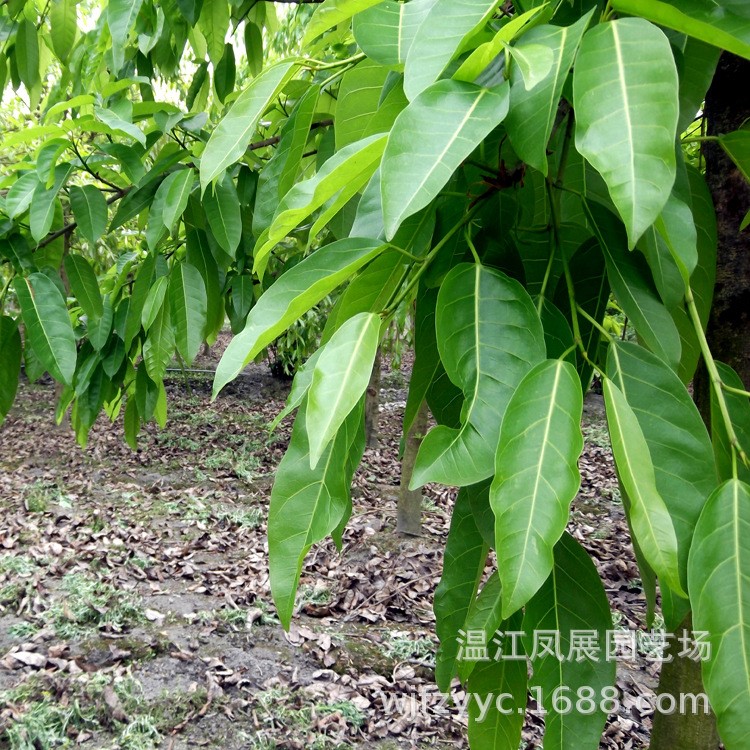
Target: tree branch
276,138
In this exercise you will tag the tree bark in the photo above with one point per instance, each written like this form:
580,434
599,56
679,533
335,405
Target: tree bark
727,108
409,519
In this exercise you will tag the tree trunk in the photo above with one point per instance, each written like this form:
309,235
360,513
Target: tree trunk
727,108
410,501
372,405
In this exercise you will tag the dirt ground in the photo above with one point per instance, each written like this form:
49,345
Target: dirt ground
134,601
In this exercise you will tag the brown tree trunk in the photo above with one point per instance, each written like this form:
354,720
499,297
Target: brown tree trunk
727,108
372,405
409,519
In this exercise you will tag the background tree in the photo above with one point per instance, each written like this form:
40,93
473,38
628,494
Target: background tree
505,166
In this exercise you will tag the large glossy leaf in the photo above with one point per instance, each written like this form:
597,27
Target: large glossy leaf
489,336
633,286
223,213
90,209
438,39
10,363
714,23
533,111
424,150
386,31
295,292
308,504
18,198
42,212
463,565
84,285
137,299
358,101
177,187
47,325
648,515
348,170
572,600
340,379
234,132
158,347
676,436
719,578
536,477
189,308
331,13
121,15
625,92
27,52
696,70
63,27
214,24
502,680
199,255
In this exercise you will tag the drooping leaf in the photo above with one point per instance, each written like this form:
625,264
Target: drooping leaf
675,434
214,23
121,15
63,27
137,299
177,187
18,198
47,325
737,146
625,91
571,601
158,347
234,132
308,504
438,39
648,515
43,203
536,477
222,207
532,112
10,363
738,408
154,301
27,52
340,379
348,170
463,565
295,292
423,150
84,285
225,74
199,255
719,579
713,23
189,308
90,210
489,336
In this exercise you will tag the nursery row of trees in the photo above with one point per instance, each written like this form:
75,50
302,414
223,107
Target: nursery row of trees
504,170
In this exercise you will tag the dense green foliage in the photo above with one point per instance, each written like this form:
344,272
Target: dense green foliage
504,167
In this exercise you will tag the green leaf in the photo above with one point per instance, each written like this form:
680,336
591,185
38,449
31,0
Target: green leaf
154,302
254,48
234,132
536,477
649,517
10,363
308,504
63,27
27,52
177,187
100,328
423,150
572,600
222,207
674,432
159,344
346,170
633,287
719,576
713,23
696,70
340,379
489,336
90,210
43,203
137,299
386,31
532,112
738,407
84,285
214,23
18,199
199,255
121,15
293,294
625,91
47,325
331,13
225,74
113,121
737,146
189,307
463,565
439,37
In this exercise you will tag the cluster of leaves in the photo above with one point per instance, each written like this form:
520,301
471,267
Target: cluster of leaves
505,167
